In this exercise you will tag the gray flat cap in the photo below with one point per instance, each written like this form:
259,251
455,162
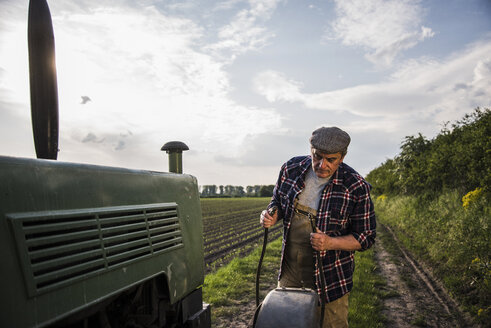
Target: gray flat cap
330,140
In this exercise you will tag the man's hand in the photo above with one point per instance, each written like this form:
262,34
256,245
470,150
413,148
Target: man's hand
319,240
322,242
268,220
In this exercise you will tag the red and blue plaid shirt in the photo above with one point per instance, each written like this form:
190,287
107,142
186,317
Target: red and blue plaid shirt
345,208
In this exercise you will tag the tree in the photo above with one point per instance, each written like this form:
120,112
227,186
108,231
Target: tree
239,191
385,178
208,190
411,163
459,157
266,191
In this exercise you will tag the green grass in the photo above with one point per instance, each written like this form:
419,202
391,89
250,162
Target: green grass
365,302
234,284
452,238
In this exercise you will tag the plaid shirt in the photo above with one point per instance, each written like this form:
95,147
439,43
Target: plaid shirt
345,208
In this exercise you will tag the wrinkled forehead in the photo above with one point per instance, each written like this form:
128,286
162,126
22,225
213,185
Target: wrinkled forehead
320,153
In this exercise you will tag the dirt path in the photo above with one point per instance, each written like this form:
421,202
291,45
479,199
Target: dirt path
414,297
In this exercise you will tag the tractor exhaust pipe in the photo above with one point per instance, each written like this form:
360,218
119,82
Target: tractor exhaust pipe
175,149
43,82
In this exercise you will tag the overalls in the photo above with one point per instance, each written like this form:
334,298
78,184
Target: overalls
299,263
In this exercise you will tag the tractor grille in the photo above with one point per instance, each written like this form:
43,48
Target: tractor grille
59,247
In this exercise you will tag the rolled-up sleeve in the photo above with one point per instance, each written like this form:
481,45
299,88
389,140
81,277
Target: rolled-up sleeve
363,221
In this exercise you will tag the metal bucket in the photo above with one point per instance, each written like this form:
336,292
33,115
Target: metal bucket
289,307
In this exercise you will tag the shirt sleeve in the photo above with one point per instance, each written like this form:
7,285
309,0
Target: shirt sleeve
363,221
275,199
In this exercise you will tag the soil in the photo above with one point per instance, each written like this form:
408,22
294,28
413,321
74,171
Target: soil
414,297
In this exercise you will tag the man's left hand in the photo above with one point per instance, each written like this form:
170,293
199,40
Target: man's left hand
322,242
319,240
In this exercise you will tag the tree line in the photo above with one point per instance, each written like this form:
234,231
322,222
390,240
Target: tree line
236,191
458,158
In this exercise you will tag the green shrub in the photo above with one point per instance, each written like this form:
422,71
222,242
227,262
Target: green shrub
458,158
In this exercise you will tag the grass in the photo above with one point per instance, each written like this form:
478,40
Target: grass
452,237
234,285
365,303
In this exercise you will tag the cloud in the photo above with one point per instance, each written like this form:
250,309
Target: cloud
245,31
148,65
384,28
481,83
15,128
92,143
226,5
121,145
149,76
277,86
90,137
421,88
263,149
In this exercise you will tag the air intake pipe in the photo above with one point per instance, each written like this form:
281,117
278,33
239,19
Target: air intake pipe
175,149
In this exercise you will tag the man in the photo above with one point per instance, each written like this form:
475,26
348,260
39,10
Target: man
321,187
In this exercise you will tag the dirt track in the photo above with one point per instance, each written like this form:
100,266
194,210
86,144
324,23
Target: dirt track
415,298
418,299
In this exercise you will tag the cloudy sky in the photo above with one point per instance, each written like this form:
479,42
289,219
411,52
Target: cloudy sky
244,83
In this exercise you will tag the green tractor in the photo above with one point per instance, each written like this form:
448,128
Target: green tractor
93,246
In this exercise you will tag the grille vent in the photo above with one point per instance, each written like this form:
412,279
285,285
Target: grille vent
57,248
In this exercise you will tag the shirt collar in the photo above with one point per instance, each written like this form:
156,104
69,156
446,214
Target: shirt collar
336,178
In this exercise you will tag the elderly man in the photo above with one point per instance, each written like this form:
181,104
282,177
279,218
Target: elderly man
321,187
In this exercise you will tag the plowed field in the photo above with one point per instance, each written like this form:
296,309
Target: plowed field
231,228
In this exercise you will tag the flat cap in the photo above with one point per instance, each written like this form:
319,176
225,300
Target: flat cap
330,140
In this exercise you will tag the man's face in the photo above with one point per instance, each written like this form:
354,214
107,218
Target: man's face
324,164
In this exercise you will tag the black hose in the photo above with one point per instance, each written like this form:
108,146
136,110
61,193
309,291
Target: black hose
271,212
321,274
258,272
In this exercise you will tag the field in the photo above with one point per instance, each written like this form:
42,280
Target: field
230,288
231,228
390,285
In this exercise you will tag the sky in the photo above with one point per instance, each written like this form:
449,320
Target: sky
244,83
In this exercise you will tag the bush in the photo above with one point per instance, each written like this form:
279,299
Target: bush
458,158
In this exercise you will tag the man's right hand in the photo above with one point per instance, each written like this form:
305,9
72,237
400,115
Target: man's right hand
268,220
